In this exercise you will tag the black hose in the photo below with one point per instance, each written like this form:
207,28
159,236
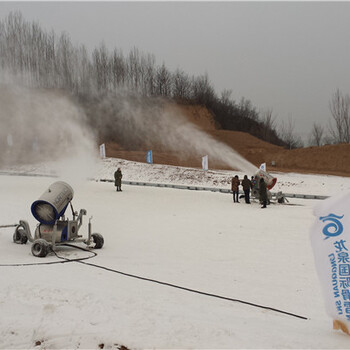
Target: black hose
62,261
185,288
193,290
80,260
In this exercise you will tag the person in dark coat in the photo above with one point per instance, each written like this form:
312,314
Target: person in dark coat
234,187
247,185
263,192
118,179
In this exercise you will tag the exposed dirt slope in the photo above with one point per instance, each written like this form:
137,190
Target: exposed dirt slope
329,159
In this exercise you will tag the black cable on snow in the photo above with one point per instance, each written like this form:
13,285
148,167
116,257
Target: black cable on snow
193,290
62,261
81,261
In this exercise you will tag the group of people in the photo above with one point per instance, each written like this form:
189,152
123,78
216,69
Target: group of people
248,185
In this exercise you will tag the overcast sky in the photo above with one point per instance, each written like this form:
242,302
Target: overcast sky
287,56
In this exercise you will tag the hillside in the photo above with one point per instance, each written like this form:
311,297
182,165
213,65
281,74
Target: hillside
328,159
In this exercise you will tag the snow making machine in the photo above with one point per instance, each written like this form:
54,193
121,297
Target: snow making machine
269,180
54,228
270,183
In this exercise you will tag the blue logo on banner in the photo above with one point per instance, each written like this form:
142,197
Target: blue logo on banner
334,228
149,157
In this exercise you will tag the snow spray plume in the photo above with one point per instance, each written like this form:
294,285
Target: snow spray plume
135,122
45,128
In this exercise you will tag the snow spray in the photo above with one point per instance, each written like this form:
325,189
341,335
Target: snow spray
139,121
45,127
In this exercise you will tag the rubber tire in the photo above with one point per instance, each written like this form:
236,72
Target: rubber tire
20,236
98,240
40,248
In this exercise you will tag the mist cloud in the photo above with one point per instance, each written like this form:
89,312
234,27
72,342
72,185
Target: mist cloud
48,126
136,122
45,126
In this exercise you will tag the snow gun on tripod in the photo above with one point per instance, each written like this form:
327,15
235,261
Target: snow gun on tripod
53,228
269,180
270,183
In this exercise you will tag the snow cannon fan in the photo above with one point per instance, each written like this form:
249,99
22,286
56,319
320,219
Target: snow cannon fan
268,178
53,228
53,203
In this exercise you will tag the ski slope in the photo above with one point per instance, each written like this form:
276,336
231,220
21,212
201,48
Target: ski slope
193,239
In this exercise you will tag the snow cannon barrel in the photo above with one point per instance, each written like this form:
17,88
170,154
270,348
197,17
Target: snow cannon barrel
269,179
53,203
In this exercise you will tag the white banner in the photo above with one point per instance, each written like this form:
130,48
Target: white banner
103,151
263,167
205,163
330,239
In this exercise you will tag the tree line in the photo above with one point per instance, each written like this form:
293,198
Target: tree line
338,129
43,59
46,60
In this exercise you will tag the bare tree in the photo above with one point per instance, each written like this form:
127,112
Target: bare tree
287,134
163,81
134,69
118,69
202,90
268,124
64,54
182,85
339,107
225,98
317,132
247,110
148,72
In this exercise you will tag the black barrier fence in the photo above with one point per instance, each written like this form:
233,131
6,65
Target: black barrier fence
181,187
212,189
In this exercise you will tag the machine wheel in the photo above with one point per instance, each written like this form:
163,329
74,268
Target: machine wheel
98,240
40,248
20,236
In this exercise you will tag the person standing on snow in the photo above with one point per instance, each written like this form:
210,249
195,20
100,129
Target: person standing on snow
263,192
118,179
247,185
234,187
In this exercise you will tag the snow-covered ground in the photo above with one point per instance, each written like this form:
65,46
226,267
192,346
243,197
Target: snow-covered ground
323,185
193,239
